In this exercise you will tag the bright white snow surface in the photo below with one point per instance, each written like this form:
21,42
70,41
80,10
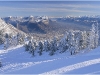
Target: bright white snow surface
17,61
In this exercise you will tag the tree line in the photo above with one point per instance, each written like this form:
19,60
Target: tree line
73,41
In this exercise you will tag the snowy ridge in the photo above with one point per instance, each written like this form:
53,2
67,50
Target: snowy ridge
8,28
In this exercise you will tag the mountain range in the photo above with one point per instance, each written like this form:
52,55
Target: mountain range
45,24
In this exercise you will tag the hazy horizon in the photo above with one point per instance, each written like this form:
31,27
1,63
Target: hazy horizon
49,8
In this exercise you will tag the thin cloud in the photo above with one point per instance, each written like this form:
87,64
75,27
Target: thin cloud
52,8
41,10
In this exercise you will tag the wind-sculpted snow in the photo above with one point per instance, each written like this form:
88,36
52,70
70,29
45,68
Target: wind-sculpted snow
73,67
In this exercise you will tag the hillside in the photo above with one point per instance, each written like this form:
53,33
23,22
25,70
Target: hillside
16,61
8,28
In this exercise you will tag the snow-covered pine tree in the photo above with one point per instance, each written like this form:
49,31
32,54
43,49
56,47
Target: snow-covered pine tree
64,43
14,40
26,47
17,36
46,46
80,39
30,46
20,39
1,37
10,40
92,36
96,35
6,43
33,48
85,39
88,40
76,49
71,42
40,48
53,46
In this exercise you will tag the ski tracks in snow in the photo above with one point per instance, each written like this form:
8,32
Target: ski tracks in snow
18,66
73,67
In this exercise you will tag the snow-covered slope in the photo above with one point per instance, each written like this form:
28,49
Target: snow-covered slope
8,28
17,61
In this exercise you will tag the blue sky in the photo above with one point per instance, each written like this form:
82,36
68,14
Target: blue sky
49,8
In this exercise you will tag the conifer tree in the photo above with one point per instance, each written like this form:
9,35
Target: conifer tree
80,40
33,48
40,48
85,39
64,43
26,47
6,43
71,42
46,46
30,46
96,35
76,45
1,37
53,46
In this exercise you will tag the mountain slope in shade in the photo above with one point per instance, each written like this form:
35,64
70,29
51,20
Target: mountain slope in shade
29,24
43,24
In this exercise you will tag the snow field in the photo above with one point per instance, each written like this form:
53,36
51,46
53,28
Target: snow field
17,61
